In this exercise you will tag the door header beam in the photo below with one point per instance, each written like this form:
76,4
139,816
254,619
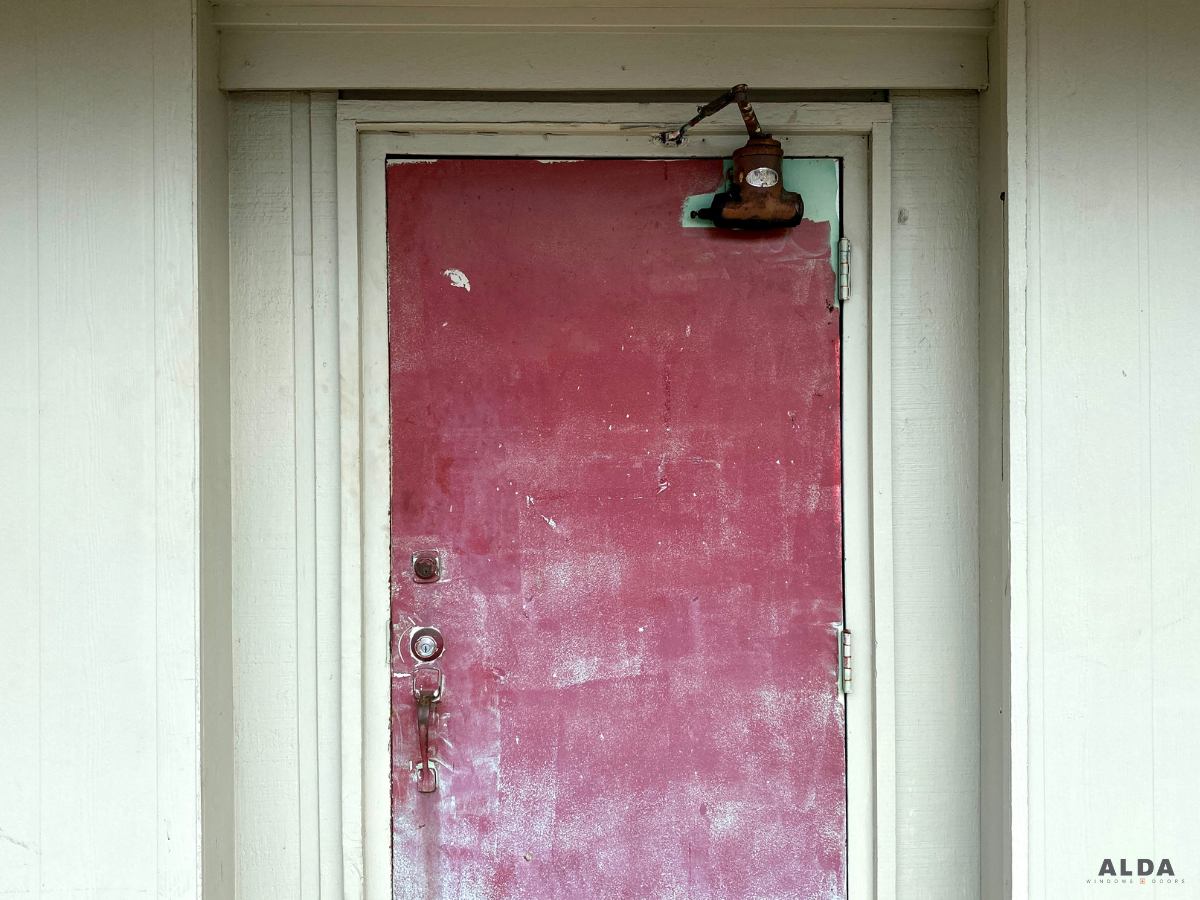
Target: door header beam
619,49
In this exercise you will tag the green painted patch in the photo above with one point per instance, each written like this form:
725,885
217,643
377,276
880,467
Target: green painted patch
697,202
816,180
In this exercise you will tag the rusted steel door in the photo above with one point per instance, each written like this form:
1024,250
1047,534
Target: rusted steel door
616,439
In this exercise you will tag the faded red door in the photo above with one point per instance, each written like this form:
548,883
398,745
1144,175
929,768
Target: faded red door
621,436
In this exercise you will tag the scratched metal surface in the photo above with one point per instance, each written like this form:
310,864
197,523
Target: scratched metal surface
624,437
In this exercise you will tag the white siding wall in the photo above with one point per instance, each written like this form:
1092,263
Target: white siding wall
281,227
1113,441
99,508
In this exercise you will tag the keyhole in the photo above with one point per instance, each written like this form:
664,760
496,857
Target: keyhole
426,566
426,644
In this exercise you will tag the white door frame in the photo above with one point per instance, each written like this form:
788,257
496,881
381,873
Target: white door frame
367,132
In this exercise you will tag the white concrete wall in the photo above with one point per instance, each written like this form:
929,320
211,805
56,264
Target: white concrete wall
99,506
1113,439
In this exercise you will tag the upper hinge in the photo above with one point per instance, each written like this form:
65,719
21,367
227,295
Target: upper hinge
845,671
843,271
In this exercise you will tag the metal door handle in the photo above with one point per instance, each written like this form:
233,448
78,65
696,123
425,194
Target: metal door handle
427,690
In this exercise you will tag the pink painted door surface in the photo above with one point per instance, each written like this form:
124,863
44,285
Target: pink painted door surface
622,437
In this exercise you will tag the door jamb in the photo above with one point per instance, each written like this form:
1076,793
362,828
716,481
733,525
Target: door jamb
600,129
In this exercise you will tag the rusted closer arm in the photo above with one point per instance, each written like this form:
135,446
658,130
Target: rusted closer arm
738,94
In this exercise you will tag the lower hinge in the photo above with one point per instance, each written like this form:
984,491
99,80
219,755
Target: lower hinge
845,672
843,271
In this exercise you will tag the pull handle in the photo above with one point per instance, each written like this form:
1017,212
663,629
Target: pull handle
427,690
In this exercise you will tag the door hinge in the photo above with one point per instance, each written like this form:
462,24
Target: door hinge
843,270
845,672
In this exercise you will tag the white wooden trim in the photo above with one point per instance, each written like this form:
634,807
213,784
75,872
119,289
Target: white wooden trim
266,591
304,362
882,617
1021,442
551,130
663,19
326,495
350,526
640,120
935,394
864,838
376,492
563,49
286,487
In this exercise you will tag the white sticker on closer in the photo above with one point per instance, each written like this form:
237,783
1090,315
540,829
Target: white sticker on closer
762,177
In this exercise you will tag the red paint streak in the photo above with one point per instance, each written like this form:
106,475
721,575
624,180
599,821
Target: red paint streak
625,440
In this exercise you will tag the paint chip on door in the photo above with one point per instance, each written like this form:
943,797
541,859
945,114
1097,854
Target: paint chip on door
458,279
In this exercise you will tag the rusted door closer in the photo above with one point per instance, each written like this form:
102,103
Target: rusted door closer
755,198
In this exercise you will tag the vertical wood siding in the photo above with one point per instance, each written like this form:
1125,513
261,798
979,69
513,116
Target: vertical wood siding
284,422
99,788
1113,438
263,476
935,482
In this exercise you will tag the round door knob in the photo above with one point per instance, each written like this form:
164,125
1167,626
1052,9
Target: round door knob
427,644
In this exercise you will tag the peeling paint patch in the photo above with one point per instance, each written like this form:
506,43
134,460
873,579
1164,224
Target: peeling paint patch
458,278
817,181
